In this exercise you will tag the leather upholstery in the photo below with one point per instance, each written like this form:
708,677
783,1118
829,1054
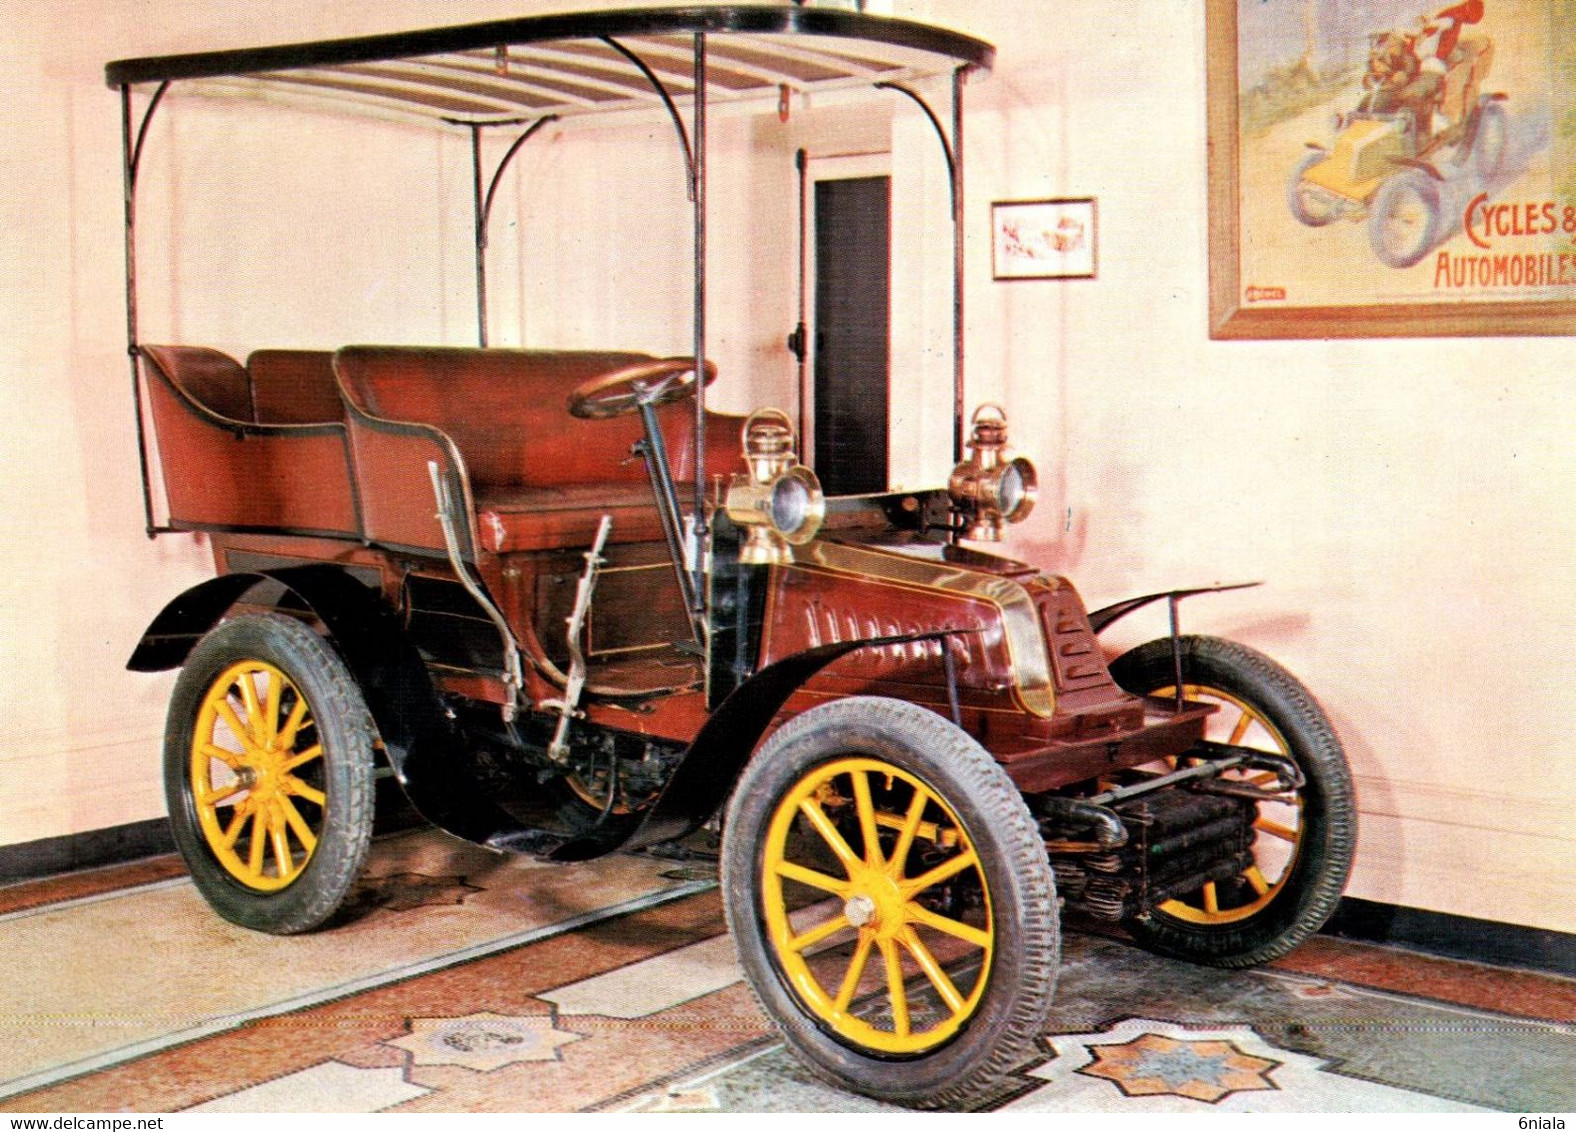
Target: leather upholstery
279,445
540,478
215,381
221,470
294,387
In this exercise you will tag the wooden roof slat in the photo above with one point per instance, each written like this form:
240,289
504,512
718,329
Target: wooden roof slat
563,64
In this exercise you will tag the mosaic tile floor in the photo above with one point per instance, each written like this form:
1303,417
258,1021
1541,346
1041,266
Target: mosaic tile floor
468,983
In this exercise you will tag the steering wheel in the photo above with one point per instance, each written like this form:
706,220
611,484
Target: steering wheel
657,382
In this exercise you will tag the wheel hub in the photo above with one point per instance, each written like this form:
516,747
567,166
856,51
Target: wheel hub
875,902
859,910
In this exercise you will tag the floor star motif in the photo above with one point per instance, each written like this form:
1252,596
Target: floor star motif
681,1100
484,1041
1154,1065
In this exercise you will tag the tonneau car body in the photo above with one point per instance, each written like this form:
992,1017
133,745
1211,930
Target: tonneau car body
576,610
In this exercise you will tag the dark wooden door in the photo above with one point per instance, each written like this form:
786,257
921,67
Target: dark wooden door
853,224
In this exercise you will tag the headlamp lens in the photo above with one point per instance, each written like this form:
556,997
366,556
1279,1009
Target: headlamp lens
790,504
1012,490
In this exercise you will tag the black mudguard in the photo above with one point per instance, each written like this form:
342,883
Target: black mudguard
705,776
1101,619
424,747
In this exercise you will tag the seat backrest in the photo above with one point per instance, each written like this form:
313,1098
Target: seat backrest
294,387
506,411
215,381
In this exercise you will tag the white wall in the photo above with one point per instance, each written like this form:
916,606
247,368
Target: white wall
1407,502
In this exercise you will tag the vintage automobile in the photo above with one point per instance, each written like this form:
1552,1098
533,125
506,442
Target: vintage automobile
574,611
1390,162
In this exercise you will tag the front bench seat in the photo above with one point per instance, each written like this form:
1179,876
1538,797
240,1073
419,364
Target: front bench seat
533,477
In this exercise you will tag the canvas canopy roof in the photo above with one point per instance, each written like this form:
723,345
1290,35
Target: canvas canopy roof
562,66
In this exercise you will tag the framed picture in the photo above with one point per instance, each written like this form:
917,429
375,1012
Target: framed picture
1389,168
1043,239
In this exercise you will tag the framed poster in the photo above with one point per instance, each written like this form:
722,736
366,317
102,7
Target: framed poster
1387,168
1043,239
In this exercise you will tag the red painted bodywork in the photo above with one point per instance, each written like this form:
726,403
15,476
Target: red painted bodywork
307,456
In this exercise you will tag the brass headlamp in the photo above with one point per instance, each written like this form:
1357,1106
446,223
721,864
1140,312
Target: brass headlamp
987,489
779,504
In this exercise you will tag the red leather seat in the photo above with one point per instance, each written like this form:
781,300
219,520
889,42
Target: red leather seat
539,478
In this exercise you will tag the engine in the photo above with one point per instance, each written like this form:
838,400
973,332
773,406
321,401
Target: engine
1176,841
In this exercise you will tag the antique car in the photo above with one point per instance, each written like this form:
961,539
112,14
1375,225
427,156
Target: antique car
574,611
1394,155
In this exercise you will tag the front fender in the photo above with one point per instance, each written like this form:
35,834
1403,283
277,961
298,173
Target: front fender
705,776
1101,619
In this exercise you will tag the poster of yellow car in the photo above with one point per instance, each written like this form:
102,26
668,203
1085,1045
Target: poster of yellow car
1406,151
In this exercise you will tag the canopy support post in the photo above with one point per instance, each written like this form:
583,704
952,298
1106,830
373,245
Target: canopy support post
701,598
484,205
952,151
481,234
955,164
131,160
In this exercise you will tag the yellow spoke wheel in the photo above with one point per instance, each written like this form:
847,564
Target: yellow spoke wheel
886,869
891,900
1303,840
268,765
1278,827
252,775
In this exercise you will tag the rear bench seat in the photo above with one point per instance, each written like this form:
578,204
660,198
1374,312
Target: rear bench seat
536,477
294,386
231,456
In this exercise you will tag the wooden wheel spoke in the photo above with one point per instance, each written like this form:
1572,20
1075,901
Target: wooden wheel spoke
823,825
231,759
788,870
1256,879
280,838
818,933
938,977
293,785
273,693
1275,829
220,793
242,731
899,997
1240,731
1211,898
918,913
254,859
293,724
306,756
254,709
906,835
856,970
297,823
232,832
951,867
867,816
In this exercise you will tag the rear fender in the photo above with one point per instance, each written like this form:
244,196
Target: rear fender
424,747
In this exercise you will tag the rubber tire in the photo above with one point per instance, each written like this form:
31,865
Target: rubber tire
348,735
1294,201
1411,181
1017,1000
1329,811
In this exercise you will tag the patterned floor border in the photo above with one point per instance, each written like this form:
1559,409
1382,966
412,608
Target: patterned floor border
65,1072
